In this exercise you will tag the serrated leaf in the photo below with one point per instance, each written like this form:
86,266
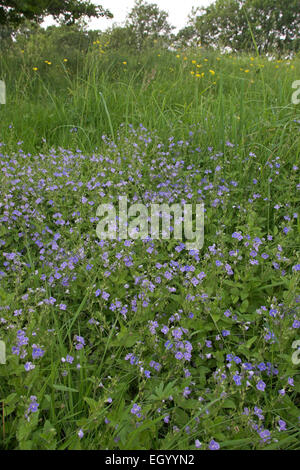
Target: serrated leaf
93,404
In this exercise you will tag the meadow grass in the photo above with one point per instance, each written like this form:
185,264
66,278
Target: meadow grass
245,101
144,345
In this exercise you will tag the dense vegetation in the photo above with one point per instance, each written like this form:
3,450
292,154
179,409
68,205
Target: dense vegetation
144,344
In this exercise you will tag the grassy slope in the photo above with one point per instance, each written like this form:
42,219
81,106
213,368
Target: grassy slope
240,100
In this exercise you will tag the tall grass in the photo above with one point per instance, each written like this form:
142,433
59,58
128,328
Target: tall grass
98,93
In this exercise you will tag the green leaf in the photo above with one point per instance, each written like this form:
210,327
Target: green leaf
250,342
244,306
26,445
93,404
229,404
215,317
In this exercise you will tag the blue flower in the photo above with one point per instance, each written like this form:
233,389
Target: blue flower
213,445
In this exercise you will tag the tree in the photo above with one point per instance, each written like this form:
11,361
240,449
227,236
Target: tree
15,12
279,22
275,25
186,37
119,38
61,41
148,23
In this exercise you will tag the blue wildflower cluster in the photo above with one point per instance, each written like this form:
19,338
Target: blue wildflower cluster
192,345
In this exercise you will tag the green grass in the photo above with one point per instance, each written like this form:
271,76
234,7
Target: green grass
78,133
158,92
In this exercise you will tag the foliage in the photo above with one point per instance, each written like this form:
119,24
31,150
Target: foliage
144,344
233,23
148,23
120,38
15,12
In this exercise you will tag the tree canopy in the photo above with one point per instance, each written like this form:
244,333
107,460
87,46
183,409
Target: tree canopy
148,22
16,12
273,24
241,25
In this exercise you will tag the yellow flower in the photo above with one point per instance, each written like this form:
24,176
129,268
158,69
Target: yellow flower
212,72
247,71
198,75
177,56
185,58
65,60
35,69
124,63
194,62
192,72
